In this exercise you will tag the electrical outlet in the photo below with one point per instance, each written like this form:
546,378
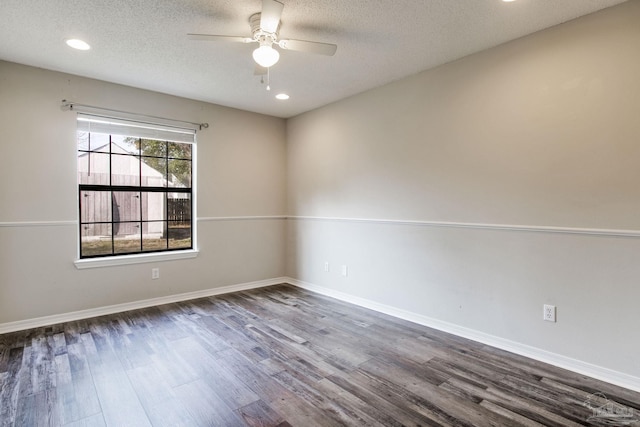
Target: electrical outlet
155,273
549,313
326,266
345,270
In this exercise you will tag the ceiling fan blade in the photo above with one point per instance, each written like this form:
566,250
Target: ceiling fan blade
216,38
310,47
270,17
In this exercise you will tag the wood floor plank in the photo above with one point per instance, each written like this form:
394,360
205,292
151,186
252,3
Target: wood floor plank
92,421
259,414
78,398
234,393
278,356
10,386
299,412
253,376
527,408
42,369
207,337
428,397
38,409
398,413
205,407
584,383
172,368
73,330
333,411
158,397
118,400
407,376
294,409
234,338
359,411
521,420
458,367
402,398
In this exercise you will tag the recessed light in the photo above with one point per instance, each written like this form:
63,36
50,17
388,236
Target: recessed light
282,96
508,1
78,44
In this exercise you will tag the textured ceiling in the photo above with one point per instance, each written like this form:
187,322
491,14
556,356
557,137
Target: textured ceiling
143,43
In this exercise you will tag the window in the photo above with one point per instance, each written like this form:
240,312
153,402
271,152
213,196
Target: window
135,185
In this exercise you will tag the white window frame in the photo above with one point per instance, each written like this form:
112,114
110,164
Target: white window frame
151,128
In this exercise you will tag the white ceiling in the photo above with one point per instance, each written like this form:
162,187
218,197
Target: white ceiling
143,43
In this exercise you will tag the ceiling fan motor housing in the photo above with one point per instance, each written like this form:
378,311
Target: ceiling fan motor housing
258,33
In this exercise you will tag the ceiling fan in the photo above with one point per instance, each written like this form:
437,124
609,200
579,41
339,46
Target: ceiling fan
264,29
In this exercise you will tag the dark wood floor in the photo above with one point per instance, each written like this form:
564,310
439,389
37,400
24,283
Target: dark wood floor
278,356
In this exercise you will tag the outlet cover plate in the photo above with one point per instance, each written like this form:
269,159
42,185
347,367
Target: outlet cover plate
549,313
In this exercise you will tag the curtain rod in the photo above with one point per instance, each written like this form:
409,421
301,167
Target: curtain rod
70,106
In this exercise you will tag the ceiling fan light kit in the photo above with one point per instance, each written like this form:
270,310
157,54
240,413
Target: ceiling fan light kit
265,55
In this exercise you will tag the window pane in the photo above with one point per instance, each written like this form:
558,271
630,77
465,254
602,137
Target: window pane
179,208
96,240
122,144
154,172
179,173
127,237
153,206
125,170
179,235
153,148
179,151
124,229
126,221
96,142
154,236
93,168
126,206
95,206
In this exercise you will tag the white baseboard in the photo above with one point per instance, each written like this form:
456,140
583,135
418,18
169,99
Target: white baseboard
604,374
119,308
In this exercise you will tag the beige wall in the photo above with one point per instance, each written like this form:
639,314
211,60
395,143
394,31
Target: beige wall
542,132
241,172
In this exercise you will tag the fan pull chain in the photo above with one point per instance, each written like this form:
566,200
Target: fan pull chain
269,78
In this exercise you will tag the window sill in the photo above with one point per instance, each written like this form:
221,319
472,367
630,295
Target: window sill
82,264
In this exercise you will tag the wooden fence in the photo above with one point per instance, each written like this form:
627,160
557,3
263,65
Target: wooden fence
179,211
